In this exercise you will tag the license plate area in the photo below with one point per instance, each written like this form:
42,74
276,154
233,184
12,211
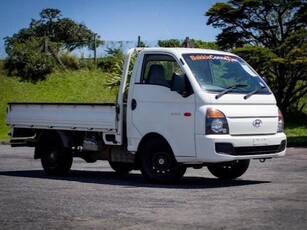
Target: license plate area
260,141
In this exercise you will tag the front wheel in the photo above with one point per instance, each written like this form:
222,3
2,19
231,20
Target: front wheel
229,170
158,164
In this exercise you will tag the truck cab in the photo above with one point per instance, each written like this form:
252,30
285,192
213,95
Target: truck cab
210,107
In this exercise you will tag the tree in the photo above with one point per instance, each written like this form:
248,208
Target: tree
276,30
68,33
191,42
54,34
170,43
64,30
204,45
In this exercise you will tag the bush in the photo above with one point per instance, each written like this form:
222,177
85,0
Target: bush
37,67
28,63
107,64
70,61
87,64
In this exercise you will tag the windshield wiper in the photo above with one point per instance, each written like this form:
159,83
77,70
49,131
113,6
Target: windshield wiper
254,92
229,89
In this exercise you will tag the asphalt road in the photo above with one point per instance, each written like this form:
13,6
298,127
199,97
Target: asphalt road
270,195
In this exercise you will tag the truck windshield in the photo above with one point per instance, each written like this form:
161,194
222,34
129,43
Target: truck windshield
217,73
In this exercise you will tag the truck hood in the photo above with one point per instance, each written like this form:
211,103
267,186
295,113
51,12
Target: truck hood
258,115
251,119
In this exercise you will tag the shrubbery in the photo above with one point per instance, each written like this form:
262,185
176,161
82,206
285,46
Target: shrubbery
25,62
71,62
107,64
31,63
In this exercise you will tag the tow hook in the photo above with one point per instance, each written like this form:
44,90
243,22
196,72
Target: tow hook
262,160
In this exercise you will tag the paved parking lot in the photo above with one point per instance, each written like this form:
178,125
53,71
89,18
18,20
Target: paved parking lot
272,195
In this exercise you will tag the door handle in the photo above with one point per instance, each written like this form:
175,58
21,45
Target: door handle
133,104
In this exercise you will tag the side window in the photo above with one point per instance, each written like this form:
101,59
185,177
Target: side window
159,69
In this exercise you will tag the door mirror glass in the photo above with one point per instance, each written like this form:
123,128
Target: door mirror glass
178,83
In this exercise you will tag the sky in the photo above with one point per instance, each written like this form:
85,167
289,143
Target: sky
117,20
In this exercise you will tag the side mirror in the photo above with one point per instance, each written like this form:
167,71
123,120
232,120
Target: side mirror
178,83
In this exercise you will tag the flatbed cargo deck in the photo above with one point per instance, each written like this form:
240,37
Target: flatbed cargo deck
63,116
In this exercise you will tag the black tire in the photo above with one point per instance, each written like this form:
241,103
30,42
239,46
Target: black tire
229,170
121,167
158,164
55,160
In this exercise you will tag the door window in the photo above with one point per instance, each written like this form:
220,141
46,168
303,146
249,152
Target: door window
159,69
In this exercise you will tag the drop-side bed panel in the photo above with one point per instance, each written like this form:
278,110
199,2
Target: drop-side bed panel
63,116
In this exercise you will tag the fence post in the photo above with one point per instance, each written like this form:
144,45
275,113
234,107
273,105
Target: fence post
95,51
188,43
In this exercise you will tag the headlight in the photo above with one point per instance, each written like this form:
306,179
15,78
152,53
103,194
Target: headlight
280,127
216,122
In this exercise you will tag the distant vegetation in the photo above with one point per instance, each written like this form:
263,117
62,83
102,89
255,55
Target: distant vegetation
36,51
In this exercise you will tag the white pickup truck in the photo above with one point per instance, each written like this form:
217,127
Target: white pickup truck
184,108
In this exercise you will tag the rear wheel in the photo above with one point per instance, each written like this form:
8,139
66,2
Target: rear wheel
121,167
158,163
229,170
55,160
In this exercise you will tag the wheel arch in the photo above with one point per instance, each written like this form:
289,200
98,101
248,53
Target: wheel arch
44,136
148,137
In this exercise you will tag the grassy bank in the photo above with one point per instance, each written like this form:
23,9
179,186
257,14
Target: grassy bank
296,135
82,86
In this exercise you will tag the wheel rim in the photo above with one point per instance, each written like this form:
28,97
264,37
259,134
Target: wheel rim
161,163
52,159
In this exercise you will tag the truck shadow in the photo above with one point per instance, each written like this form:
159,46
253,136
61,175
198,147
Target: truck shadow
132,180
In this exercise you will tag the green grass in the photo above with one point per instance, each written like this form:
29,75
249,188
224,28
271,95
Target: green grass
77,86
296,135
296,131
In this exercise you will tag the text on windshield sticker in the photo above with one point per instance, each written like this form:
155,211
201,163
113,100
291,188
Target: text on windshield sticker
212,57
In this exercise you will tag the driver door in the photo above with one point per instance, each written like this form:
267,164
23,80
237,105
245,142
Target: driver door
157,109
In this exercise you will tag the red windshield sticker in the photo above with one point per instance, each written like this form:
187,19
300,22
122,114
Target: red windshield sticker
212,57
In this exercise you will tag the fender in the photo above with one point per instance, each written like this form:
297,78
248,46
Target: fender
67,139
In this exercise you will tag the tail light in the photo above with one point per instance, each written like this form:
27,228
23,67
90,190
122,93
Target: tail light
280,127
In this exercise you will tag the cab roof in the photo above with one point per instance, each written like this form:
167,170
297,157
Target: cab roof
180,51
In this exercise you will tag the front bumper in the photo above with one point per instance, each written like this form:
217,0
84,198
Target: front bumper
219,148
